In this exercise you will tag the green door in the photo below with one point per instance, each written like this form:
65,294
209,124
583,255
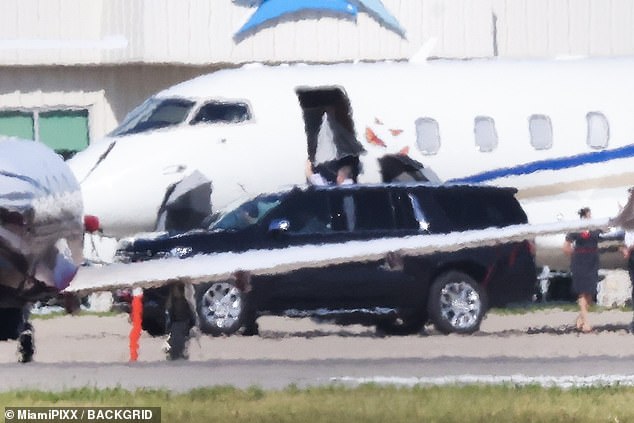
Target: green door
17,124
64,130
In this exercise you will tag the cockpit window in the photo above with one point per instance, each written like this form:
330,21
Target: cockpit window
247,214
220,112
154,113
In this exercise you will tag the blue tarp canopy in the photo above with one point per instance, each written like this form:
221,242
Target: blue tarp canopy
376,9
273,9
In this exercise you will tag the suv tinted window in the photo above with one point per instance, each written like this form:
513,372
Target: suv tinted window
404,214
479,209
308,214
464,208
249,213
363,210
373,210
342,212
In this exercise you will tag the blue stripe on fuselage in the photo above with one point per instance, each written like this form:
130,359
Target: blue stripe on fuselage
550,164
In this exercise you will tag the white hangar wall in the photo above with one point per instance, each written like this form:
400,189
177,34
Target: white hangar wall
107,94
201,32
553,28
106,56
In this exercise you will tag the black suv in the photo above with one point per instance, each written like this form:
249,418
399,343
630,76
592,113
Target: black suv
397,294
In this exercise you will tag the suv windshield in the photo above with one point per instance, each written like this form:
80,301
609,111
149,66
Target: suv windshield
154,113
247,214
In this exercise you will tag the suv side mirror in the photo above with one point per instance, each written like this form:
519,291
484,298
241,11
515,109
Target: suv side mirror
279,225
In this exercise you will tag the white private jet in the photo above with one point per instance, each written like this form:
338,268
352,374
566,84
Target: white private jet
41,233
561,131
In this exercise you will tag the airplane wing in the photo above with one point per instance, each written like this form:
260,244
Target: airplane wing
222,266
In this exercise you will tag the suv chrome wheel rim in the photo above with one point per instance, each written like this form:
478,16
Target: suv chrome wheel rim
460,305
221,305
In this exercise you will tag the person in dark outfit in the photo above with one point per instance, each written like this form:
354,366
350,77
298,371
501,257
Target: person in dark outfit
181,309
628,252
584,265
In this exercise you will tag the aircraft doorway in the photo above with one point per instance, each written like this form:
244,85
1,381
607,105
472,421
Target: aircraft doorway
330,133
331,139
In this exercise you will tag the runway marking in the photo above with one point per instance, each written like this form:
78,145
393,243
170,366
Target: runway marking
565,382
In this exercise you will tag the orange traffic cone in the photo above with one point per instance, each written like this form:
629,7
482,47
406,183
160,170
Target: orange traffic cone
137,317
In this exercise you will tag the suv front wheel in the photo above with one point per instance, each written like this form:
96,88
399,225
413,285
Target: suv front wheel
457,303
221,308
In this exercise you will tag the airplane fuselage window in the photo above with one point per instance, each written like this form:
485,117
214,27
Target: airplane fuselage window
486,136
598,130
222,112
154,113
427,135
541,132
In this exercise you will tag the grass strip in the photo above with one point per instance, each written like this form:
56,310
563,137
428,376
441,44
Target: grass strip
366,403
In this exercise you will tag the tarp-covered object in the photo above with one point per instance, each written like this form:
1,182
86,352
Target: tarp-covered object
41,230
625,218
273,9
379,12
186,204
399,167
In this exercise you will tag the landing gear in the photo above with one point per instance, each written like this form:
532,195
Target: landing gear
14,324
182,318
178,340
26,347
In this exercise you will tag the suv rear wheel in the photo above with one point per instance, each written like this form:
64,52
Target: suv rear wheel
457,303
221,308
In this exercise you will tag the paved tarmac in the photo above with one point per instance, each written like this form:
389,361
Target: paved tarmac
536,347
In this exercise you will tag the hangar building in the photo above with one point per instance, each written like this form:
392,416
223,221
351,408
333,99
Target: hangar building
71,69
